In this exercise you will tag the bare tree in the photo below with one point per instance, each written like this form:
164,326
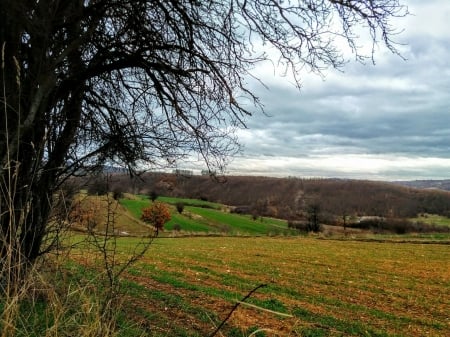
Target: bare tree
138,83
313,216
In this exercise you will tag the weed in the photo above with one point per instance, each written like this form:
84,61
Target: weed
314,332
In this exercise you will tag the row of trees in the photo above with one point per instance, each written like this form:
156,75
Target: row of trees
309,216
304,203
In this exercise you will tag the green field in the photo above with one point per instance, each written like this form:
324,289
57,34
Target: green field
315,285
191,202
136,205
186,286
205,217
367,285
433,219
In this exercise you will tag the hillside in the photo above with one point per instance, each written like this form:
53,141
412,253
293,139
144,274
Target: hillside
289,197
100,214
204,217
427,184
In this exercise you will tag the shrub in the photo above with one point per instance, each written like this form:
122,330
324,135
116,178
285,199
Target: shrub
153,195
302,226
398,226
117,193
157,214
180,207
98,187
241,210
368,223
85,213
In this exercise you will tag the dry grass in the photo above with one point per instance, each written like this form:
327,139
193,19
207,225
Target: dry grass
95,209
51,303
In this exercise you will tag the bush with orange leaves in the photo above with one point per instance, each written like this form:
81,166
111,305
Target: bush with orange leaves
157,214
86,213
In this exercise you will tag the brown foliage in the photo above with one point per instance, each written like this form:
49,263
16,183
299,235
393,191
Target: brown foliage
288,198
157,214
85,213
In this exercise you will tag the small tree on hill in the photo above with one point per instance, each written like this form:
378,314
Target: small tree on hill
85,213
259,208
313,212
153,195
99,186
180,207
157,214
117,193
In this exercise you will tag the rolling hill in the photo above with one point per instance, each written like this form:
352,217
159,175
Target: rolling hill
287,198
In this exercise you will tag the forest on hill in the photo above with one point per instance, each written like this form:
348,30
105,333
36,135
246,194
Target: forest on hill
443,184
289,198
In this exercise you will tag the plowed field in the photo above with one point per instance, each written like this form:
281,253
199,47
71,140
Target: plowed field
313,287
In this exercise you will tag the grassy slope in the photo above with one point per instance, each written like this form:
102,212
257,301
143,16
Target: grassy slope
331,288
237,223
186,223
190,202
135,206
210,219
125,216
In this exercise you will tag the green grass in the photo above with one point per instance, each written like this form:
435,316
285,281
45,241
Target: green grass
135,206
237,224
187,286
187,224
433,219
191,202
332,288
206,217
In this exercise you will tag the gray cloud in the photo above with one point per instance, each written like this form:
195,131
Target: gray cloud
394,109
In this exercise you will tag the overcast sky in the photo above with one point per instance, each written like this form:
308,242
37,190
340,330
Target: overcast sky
389,121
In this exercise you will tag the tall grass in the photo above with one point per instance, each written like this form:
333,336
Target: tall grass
56,297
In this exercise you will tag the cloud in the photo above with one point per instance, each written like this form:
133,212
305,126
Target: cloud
391,119
373,167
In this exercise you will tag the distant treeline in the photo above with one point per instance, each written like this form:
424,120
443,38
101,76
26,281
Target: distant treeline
290,198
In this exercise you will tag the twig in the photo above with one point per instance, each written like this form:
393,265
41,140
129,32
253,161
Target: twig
234,309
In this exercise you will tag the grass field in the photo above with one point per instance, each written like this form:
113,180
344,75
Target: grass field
186,286
191,202
367,285
433,219
205,217
315,285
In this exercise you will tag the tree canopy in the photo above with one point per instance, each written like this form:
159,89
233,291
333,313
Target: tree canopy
139,82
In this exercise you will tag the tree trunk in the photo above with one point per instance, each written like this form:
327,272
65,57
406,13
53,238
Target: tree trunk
32,148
